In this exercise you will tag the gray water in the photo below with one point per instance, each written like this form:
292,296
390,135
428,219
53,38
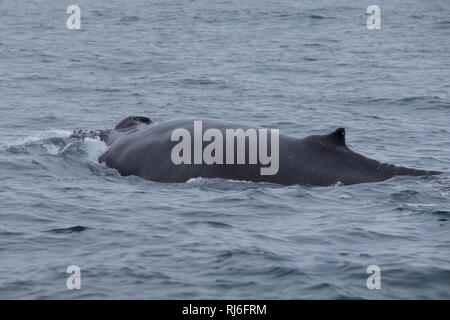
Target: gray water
305,67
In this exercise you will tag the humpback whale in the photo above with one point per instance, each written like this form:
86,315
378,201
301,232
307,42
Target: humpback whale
137,146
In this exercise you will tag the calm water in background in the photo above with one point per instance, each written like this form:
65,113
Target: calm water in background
305,67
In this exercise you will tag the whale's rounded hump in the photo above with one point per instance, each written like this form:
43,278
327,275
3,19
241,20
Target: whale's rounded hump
132,121
337,136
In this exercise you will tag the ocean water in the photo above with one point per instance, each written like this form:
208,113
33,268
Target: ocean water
305,67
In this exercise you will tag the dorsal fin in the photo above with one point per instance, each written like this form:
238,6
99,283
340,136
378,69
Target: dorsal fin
337,136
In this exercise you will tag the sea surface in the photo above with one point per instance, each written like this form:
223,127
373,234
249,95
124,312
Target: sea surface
305,67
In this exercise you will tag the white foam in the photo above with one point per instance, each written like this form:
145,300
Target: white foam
41,136
197,180
94,148
52,149
203,180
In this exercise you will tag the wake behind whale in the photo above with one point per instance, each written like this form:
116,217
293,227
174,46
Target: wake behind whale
137,146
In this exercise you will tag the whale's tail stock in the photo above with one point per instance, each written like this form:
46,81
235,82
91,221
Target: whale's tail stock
357,168
402,171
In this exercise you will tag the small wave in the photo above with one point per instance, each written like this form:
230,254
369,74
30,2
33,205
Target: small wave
214,224
77,154
69,230
318,16
309,59
314,45
107,90
440,212
40,136
419,102
203,82
50,140
443,25
97,13
404,195
424,208
129,19
414,99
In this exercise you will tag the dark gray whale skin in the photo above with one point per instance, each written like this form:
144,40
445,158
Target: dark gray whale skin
141,148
